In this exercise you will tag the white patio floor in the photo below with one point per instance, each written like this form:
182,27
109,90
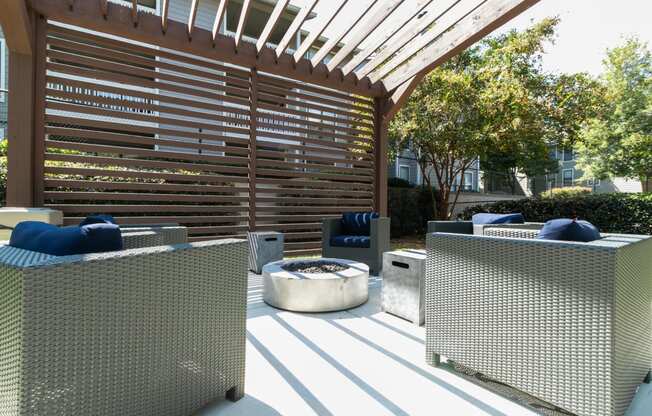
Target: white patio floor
358,362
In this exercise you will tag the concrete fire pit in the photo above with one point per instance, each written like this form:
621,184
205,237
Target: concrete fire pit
315,285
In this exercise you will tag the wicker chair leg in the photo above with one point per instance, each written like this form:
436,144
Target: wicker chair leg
235,393
433,360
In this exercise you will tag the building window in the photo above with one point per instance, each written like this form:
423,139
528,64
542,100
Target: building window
2,133
593,182
404,172
568,155
3,71
553,153
468,181
568,177
551,182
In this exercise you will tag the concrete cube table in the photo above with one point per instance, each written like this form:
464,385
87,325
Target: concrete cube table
403,284
264,247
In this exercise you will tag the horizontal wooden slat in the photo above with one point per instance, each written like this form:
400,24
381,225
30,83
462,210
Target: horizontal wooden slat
176,177
216,230
140,196
140,186
167,208
315,201
167,219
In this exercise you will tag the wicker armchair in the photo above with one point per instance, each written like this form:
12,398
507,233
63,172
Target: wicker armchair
371,256
157,330
566,322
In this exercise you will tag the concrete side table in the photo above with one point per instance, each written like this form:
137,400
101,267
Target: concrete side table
403,284
264,247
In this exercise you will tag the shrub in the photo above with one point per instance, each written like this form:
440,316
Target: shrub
611,213
566,192
398,183
410,209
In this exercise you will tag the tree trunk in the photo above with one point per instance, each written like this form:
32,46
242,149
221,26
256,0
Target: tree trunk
646,183
441,210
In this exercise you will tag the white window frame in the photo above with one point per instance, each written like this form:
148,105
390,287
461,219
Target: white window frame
471,186
593,182
408,170
3,69
563,177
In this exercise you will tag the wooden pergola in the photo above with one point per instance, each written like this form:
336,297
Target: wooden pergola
115,109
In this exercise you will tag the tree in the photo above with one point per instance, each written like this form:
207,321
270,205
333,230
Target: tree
492,102
618,142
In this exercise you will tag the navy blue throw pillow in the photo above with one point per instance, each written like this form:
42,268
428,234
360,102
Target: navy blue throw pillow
64,241
355,241
357,223
97,219
565,229
485,218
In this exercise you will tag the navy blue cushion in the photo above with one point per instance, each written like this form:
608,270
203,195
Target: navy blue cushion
569,230
486,218
98,219
63,241
358,241
357,223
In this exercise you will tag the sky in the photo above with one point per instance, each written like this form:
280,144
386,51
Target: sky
587,28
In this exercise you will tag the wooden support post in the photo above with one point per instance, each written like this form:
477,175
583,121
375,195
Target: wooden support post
40,56
380,157
20,118
253,111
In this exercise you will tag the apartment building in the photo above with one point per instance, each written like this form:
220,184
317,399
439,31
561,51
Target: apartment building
4,56
569,174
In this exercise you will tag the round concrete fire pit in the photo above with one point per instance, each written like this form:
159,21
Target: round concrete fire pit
315,285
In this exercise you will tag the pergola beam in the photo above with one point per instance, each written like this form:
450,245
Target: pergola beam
165,7
326,49
244,15
481,22
16,26
271,24
295,26
316,33
447,21
368,25
192,16
221,8
382,39
119,22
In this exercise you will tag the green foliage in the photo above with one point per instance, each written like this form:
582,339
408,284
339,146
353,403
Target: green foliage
410,209
3,172
566,192
611,213
398,183
618,142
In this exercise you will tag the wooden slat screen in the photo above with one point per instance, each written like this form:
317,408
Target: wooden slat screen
151,136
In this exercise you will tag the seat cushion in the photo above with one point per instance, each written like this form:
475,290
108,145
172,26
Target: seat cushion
486,218
357,241
98,219
64,241
358,223
566,229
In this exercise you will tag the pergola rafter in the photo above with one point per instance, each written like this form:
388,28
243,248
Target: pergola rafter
262,137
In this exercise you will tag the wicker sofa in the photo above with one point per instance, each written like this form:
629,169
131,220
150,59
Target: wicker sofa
467,227
153,235
371,256
567,322
149,331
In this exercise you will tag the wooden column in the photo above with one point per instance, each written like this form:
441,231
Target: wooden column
380,157
20,118
253,111
40,53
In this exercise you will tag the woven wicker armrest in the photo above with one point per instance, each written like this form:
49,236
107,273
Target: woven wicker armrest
566,322
157,330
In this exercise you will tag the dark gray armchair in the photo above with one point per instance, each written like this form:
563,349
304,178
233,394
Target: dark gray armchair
340,243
